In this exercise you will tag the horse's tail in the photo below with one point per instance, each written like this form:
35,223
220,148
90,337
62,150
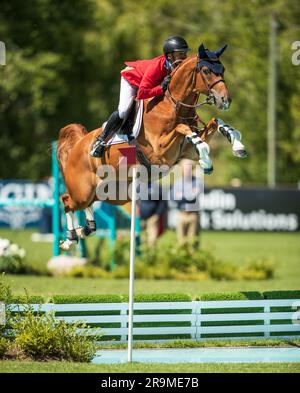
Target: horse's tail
68,137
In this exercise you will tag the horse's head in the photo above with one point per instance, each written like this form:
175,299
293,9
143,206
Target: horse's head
210,74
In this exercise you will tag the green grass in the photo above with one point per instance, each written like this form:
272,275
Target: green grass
238,248
282,248
65,367
278,343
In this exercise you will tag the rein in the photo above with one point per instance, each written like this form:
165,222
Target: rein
208,100
178,103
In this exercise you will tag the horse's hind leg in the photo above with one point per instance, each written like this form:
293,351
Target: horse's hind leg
90,225
74,234
71,235
234,137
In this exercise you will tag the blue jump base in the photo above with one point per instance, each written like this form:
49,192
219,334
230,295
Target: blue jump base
200,355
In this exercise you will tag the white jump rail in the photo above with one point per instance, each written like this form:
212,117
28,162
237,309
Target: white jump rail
192,321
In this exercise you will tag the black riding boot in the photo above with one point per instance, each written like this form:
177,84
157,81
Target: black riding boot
113,124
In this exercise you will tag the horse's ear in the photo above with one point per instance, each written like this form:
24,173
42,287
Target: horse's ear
219,51
202,52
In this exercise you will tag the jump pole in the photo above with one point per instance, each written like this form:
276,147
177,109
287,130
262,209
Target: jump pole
131,271
55,206
129,158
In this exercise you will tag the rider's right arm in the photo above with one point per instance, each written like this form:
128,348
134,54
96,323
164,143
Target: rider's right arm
150,83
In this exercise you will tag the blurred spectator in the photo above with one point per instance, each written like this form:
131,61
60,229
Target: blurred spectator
152,212
185,193
45,225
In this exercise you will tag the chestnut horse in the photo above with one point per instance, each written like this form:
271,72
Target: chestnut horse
169,133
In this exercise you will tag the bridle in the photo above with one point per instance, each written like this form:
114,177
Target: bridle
210,97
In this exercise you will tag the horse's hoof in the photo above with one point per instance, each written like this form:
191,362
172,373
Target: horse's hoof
208,171
65,245
240,153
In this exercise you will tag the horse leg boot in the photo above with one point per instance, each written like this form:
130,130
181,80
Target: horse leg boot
201,146
203,151
113,124
72,237
90,225
234,137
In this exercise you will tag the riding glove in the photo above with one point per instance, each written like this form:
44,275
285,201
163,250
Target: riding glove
165,82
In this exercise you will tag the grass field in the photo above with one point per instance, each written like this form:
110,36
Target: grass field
65,367
283,249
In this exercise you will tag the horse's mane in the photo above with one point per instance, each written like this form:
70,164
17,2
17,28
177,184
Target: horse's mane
68,137
183,64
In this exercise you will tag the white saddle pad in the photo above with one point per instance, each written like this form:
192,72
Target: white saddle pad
121,138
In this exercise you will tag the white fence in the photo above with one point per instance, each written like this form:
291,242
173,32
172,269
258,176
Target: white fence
198,320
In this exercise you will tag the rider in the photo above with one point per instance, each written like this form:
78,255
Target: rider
142,79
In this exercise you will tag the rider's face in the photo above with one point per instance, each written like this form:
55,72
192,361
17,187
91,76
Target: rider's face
180,55
176,57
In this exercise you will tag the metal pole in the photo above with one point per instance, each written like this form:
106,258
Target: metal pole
55,206
132,255
272,102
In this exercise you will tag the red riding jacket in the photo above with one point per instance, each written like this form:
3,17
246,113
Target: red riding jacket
146,75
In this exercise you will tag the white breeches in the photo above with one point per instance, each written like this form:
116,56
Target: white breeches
127,95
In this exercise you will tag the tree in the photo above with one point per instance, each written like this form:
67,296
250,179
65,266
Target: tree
64,60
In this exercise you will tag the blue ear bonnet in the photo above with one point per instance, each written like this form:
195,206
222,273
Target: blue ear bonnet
210,59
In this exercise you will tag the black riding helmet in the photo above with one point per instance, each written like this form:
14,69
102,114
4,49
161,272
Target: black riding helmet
175,44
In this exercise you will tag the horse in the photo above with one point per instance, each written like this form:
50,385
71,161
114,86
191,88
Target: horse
169,132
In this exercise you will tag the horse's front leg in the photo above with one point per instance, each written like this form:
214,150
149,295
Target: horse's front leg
234,137
201,146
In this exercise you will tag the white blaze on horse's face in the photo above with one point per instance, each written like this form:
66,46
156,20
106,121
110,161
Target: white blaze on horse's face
216,86
221,96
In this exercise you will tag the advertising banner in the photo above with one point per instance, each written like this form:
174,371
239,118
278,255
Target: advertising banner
242,209
22,216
